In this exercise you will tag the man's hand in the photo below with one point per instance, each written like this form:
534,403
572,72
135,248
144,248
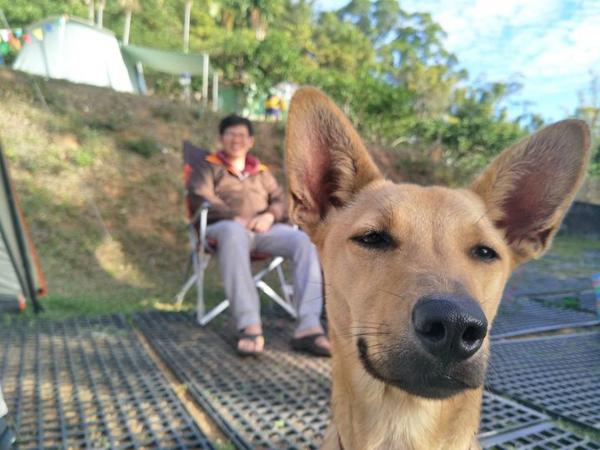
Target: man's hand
261,223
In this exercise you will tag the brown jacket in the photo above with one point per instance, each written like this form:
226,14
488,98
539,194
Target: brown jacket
253,192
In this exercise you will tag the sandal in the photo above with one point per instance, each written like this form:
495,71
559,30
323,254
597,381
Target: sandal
250,337
308,344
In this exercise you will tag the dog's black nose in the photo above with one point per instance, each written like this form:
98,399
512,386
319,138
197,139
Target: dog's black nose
449,328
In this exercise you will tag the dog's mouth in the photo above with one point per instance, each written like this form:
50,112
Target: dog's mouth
419,375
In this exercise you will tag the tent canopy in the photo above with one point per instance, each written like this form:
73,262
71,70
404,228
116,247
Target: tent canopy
20,272
174,63
75,50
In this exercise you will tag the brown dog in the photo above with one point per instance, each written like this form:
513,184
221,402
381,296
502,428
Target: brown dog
414,274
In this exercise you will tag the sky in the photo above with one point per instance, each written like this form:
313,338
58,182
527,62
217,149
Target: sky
549,46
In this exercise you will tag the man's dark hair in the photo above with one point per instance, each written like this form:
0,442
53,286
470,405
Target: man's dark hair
234,120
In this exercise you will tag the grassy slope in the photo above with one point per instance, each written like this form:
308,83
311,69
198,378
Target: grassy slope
108,223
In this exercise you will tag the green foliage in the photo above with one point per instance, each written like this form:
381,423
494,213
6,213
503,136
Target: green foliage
589,110
387,68
83,158
144,146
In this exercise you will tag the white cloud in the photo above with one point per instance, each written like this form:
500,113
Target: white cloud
552,44
549,45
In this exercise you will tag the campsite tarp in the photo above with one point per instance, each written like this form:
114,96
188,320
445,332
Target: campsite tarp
19,269
164,61
73,49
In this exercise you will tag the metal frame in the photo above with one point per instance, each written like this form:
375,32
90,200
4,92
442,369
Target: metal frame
201,256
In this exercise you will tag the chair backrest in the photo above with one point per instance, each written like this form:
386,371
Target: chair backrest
193,158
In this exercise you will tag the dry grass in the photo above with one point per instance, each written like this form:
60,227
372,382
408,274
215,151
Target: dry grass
108,223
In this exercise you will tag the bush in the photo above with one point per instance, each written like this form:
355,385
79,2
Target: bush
144,146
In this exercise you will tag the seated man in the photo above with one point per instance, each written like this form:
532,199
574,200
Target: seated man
246,211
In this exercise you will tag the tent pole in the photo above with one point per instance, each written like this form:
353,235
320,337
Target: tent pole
215,91
37,307
22,283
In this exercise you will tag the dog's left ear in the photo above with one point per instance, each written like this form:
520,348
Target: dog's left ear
326,161
528,188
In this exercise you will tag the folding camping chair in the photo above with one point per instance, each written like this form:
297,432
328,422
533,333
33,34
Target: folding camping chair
202,251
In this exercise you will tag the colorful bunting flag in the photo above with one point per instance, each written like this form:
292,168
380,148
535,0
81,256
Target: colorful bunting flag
18,32
27,38
48,27
5,35
39,34
15,43
4,48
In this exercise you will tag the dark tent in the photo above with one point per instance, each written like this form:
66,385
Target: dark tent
20,274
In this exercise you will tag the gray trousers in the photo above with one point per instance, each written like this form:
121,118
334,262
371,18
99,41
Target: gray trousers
3,409
235,243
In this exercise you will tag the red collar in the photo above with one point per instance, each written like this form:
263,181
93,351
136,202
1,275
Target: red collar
252,165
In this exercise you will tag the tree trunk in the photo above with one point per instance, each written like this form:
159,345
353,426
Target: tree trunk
100,14
128,15
186,26
90,4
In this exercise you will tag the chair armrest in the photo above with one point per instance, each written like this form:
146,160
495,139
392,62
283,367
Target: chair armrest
197,217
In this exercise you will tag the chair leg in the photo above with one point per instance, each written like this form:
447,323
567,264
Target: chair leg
268,290
184,290
205,318
199,269
285,287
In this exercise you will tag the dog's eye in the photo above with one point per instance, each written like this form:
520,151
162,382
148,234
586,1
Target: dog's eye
484,253
376,240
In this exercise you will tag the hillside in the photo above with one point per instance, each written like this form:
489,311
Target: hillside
99,178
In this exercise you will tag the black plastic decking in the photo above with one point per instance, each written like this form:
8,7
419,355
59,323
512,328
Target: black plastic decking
523,316
280,401
539,437
560,374
89,384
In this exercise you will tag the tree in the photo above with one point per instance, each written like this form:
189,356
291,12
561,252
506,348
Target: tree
129,7
589,110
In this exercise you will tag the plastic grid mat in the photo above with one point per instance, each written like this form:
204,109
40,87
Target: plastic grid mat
583,301
88,383
544,436
560,374
280,400
522,316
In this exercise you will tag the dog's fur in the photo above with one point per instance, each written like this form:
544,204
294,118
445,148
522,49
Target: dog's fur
338,196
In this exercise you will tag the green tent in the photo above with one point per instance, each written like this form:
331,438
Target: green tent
20,274
165,61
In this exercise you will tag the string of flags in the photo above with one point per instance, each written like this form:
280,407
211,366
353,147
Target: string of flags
15,38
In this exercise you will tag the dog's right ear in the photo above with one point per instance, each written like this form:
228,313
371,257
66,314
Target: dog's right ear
326,161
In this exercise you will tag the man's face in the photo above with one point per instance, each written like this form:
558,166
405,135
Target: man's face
236,141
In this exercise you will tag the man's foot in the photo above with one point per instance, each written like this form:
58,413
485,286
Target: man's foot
312,340
251,341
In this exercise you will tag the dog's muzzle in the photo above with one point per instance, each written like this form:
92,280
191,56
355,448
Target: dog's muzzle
439,357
